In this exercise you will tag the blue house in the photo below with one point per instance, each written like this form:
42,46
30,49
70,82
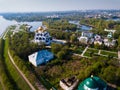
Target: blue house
40,57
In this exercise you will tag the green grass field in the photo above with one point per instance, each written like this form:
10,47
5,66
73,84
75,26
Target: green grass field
109,53
79,50
92,50
18,80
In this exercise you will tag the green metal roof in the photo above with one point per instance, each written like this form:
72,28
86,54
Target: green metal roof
93,83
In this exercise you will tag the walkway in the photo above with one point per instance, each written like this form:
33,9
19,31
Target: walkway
84,51
31,86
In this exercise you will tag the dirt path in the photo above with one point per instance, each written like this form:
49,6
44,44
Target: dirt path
31,86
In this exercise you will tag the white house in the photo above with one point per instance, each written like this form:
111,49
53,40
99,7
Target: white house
42,36
108,43
113,31
85,36
98,39
83,39
69,84
40,57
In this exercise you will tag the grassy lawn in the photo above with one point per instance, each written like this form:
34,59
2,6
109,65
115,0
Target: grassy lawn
79,50
16,77
93,50
109,53
89,51
87,54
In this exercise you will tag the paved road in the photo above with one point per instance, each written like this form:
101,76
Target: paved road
31,86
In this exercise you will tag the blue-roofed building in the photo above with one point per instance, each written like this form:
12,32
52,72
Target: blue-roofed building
40,57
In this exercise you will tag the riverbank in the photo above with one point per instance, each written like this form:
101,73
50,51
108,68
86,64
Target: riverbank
4,23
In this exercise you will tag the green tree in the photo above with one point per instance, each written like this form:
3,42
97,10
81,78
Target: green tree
55,48
61,54
73,38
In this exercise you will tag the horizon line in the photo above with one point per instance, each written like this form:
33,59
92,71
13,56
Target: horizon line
55,11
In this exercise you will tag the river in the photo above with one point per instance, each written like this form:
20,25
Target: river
5,23
81,27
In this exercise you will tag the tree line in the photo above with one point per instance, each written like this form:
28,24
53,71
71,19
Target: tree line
60,25
4,77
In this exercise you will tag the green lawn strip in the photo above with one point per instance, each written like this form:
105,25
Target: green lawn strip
87,54
79,50
92,50
20,82
109,53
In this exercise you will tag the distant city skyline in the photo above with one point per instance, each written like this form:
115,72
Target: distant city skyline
56,5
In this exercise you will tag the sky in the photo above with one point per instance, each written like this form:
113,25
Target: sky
56,5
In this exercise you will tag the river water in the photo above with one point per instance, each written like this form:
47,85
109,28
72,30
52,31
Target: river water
82,27
5,23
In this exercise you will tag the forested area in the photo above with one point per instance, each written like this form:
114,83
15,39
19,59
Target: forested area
60,25
23,46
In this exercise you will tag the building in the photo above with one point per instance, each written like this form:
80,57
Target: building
118,54
98,39
109,43
40,57
69,83
92,83
109,35
87,34
98,42
83,39
42,36
86,37
113,31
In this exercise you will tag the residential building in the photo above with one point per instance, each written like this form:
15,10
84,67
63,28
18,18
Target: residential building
42,36
40,57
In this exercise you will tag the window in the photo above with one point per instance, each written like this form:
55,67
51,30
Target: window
36,38
40,38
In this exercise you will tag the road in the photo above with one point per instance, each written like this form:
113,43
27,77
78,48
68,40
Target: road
31,86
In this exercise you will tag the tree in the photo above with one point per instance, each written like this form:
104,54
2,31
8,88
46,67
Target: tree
73,38
61,54
56,48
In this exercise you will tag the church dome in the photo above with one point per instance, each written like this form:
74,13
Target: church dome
92,83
